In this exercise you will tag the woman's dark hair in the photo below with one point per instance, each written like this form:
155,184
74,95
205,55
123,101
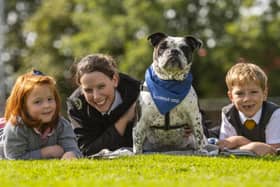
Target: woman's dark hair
96,62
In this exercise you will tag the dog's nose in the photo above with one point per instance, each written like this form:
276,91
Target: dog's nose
174,52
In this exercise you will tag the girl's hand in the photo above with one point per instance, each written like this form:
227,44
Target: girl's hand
54,151
69,156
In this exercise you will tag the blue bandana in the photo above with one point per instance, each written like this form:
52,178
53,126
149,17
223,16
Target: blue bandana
167,94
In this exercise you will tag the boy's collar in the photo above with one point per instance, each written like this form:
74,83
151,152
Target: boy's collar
256,117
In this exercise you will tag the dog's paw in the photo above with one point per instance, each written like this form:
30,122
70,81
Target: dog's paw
208,150
137,150
213,150
203,152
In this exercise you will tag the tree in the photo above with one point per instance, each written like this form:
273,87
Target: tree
57,33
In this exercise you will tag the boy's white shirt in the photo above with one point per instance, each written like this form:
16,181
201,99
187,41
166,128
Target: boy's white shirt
272,131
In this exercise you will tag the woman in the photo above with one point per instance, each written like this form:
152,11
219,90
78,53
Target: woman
102,109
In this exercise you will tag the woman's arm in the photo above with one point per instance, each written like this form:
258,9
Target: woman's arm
90,137
122,123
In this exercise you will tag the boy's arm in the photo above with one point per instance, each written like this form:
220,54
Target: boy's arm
228,136
272,132
226,130
275,146
233,142
259,148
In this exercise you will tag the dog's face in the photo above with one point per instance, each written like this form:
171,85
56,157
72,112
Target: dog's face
172,57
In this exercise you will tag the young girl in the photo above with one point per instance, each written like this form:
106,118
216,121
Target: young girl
34,129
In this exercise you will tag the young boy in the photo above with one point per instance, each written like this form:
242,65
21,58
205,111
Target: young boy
249,122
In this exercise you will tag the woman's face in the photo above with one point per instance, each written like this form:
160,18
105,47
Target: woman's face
99,89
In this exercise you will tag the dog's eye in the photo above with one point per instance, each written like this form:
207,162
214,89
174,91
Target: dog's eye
185,49
162,47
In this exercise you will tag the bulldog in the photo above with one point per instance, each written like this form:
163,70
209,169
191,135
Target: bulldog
168,103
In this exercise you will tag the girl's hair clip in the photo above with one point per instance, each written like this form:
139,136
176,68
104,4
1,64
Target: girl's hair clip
37,72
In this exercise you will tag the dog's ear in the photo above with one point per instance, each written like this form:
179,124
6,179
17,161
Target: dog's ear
193,42
155,38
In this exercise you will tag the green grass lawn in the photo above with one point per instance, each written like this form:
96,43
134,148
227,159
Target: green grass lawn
144,171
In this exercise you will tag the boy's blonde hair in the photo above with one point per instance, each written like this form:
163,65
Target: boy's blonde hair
16,103
244,72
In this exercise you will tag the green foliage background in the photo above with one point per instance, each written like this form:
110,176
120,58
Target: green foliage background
52,35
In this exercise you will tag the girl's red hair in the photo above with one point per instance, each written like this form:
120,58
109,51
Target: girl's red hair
16,103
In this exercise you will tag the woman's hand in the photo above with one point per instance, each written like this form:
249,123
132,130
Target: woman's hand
125,119
130,114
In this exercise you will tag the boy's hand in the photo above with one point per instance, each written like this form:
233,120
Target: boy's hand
233,142
259,148
225,144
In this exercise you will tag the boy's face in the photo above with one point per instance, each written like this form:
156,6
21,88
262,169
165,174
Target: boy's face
247,98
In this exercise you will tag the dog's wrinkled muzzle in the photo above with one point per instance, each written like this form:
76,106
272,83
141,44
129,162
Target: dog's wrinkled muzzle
173,63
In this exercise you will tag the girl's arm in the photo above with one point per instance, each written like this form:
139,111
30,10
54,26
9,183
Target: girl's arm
16,139
53,151
67,140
